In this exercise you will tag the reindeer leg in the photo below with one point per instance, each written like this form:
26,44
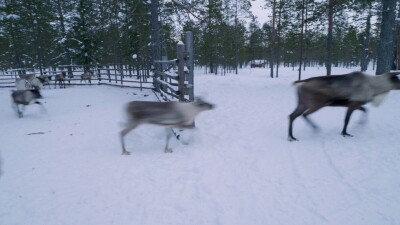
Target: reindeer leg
352,106
296,113
169,133
43,109
17,110
14,107
346,122
183,128
131,126
363,118
20,110
309,122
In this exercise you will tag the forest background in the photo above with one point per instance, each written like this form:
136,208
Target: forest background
298,33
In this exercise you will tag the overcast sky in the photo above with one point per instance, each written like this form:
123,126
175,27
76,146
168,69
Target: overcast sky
257,9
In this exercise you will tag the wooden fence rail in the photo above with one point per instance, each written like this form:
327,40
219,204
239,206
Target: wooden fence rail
177,84
121,76
171,79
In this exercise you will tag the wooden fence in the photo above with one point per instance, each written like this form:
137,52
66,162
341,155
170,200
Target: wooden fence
115,75
173,79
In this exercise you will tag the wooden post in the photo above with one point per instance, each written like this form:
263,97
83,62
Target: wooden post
190,64
99,74
108,74
181,70
115,74
155,32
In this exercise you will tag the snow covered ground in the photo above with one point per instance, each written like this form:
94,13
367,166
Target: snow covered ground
66,167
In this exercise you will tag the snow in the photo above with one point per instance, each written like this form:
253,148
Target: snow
66,167
13,17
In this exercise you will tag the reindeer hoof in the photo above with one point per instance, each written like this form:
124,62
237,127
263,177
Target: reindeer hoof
125,153
292,139
346,135
168,150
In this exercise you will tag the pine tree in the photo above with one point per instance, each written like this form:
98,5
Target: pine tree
12,32
86,44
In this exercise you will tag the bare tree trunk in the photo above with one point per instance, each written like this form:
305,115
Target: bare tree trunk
36,37
397,56
386,45
278,39
273,39
329,42
301,38
235,37
365,50
305,35
155,31
63,32
18,61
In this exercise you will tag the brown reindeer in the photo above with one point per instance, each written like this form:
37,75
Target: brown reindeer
45,80
350,90
167,114
60,78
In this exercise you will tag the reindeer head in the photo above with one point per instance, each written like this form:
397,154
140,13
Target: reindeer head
200,103
394,78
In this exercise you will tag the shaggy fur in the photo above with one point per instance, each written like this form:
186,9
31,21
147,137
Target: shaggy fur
167,114
350,90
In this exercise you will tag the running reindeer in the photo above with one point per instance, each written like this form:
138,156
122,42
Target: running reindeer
351,90
25,97
167,114
28,82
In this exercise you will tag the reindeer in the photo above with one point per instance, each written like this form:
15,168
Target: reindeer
86,76
25,97
167,114
45,80
60,78
349,90
28,82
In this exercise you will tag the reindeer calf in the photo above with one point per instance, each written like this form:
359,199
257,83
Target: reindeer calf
25,97
349,90
167,114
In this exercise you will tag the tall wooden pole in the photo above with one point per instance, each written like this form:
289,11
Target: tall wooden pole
155,31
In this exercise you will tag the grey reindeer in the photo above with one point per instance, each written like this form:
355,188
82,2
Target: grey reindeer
167,114
351,90
22,98
87,76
